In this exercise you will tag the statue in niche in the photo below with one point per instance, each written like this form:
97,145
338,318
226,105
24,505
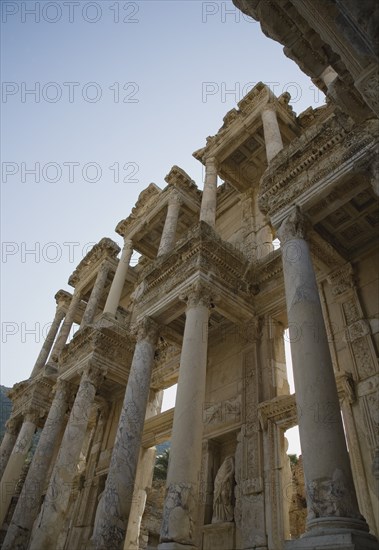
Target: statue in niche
223,510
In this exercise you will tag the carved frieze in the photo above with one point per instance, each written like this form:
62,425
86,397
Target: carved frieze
312,157
223,412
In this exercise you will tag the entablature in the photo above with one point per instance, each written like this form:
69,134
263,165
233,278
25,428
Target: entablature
311,167
109,348
201,255
32,397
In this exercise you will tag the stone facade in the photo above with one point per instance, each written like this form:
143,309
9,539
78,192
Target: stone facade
207,306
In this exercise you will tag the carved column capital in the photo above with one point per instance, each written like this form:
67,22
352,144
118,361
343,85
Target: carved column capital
269,107
93,374
63,299
295,226
34,414
199,293
63,388
128,243
211,162
146,329
12,426
104,267
174,198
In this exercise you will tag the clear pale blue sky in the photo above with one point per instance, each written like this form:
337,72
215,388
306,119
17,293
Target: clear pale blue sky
171,52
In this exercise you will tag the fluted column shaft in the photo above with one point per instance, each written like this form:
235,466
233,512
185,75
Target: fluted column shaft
181,504
7,444
118,282
271,130
15,463
331,498
96,294
27,508
169,231
209,199
114,506
54,508
66,326
49,341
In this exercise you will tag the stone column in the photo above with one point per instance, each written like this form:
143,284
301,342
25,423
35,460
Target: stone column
178,529
96,294
66,326
27,508
114,506
54,508
271,130
169,231
119,279
331,498
209,200
143,480
49,341
16,462
7,444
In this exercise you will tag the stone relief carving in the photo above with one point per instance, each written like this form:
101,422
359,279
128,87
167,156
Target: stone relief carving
363,358
224,411
341,280
331,497
223,509
357,330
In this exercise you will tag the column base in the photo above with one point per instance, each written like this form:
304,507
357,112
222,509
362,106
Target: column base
343,541
176,546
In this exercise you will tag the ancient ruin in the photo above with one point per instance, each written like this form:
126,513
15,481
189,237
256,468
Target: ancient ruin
206,306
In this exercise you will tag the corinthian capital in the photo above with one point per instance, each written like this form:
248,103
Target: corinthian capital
174,198
295,226
199,293
12,426
93,373
146,329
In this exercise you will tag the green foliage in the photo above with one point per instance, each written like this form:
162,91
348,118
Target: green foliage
294,459
161,465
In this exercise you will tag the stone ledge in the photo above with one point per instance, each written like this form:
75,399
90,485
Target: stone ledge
338,541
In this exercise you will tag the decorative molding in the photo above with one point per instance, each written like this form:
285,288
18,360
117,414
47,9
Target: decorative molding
145,201
105,248
341,280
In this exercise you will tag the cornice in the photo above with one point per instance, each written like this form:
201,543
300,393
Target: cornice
145,200
178,178
105,248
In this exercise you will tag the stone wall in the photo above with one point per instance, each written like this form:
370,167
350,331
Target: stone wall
152,517
298,508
